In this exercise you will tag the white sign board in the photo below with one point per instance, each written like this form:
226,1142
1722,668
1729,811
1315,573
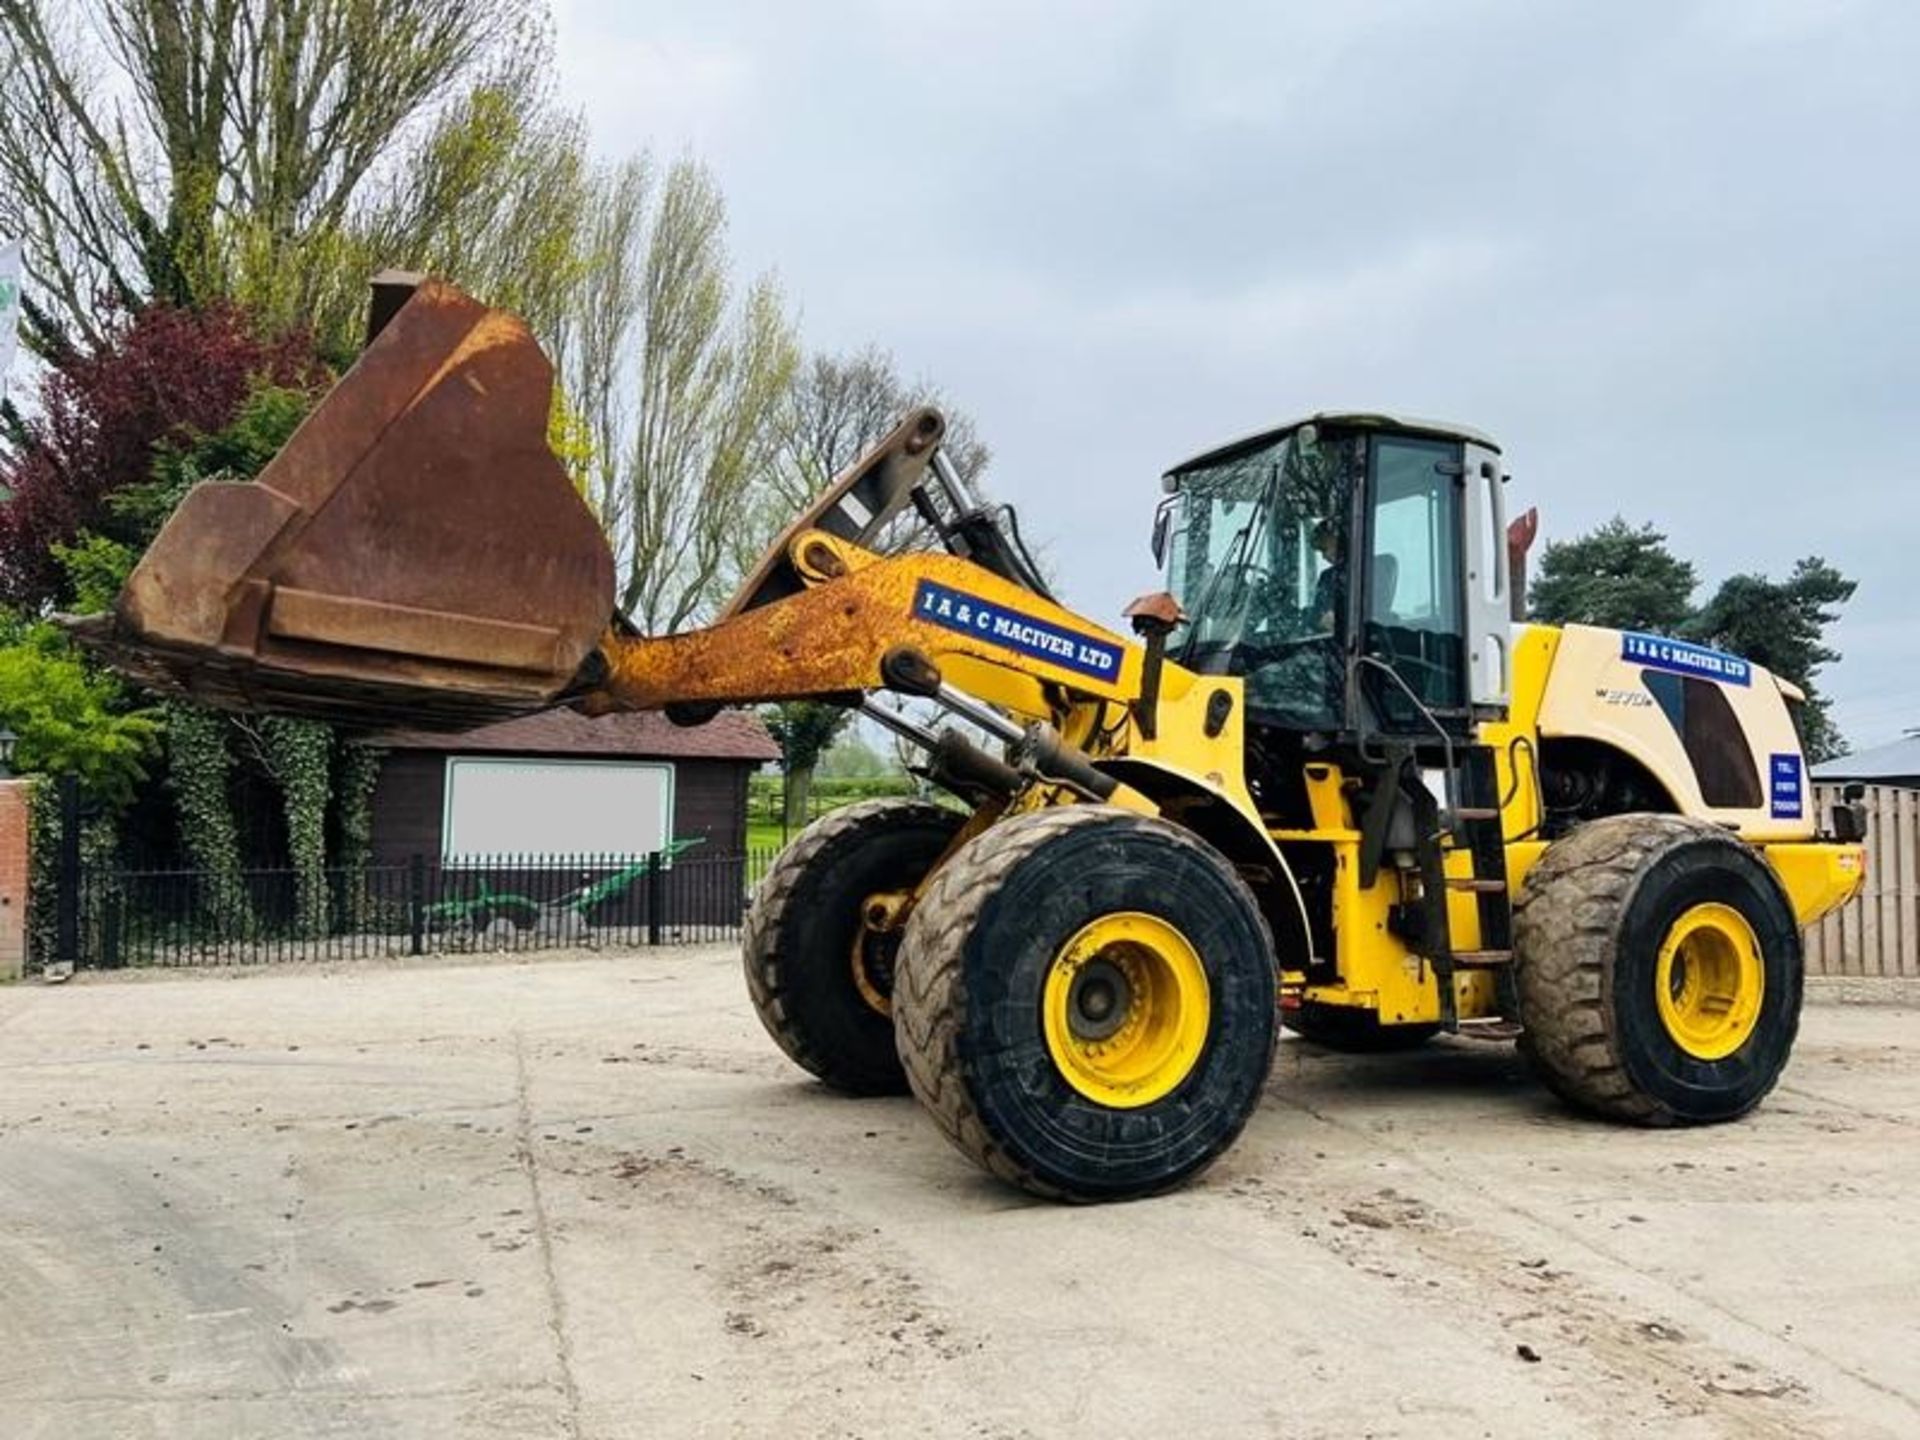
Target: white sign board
555,807
12,277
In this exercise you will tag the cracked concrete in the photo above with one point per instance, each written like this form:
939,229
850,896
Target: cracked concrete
585,1197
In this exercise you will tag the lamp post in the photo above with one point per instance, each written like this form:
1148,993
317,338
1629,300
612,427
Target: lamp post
7,741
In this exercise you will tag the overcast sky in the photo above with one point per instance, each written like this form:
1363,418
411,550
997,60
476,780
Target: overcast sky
1664,252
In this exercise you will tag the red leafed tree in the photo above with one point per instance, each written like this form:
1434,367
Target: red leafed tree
161,375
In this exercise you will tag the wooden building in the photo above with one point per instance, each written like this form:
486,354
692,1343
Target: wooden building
560,783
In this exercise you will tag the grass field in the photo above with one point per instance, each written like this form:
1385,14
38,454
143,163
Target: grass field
764,804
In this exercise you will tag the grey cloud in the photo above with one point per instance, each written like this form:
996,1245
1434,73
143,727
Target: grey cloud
1663,251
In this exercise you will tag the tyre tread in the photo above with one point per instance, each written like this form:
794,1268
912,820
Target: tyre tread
929,986
1566,923
779,905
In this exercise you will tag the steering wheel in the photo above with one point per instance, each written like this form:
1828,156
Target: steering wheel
1255,656
1423,674
1241,585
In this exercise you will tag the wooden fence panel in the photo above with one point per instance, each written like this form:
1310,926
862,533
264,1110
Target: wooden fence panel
1899,885
1877,933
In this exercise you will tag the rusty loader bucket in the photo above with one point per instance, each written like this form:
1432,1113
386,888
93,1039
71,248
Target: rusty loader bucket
414,556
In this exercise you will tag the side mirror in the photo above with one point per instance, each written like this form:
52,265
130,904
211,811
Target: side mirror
1850,815
1162,524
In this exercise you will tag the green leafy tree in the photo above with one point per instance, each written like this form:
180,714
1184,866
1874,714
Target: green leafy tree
852,758
71,720
499,197
1618,576
96,567
1782,624
261,426
804,730
1626,578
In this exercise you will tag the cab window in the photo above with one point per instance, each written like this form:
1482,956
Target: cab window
1411,619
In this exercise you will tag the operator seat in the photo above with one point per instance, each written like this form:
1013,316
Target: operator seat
1386,581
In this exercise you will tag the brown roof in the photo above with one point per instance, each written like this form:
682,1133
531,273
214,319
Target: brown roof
730,735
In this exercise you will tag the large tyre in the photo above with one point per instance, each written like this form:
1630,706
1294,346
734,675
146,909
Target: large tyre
1353,1031
1660,971
820,982
1085,1002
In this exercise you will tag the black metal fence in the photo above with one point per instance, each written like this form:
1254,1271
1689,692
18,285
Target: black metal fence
124,917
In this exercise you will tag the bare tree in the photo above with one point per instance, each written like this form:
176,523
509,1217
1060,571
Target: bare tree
842,404
839,406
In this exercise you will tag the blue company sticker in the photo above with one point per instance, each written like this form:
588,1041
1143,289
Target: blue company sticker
970,615
1783,786
1659,653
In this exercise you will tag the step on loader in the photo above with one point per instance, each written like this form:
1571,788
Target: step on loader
1321,780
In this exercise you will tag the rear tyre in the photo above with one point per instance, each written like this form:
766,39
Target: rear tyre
1353,1031
1085,1002
1660,971
819,980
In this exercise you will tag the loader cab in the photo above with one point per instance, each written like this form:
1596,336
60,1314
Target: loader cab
1351,568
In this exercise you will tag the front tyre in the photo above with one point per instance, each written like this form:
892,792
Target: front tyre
819,978
1660,971
1085,1002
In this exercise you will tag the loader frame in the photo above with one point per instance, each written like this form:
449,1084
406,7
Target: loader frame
1032,969
943,628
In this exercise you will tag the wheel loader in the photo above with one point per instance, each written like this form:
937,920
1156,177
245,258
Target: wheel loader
1321,779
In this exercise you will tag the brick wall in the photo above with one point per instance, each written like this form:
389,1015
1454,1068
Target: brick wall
13,877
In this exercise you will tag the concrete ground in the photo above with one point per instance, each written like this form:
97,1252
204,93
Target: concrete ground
586,1197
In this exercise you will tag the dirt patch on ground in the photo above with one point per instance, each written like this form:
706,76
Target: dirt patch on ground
586,1197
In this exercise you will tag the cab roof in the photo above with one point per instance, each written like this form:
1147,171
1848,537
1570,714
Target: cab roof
1347,419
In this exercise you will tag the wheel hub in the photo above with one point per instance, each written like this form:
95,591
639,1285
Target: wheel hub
1125,1009
1098,1000
1709,981
876,946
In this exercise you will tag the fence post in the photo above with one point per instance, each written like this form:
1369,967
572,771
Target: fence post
110,958
417,905
656,897
67,906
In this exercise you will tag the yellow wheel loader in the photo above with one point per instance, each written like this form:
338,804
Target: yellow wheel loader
1326,782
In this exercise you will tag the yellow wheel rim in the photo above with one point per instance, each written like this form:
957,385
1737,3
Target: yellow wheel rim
1125,1009
1709,981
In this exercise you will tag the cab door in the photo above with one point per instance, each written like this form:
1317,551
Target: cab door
1412,599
